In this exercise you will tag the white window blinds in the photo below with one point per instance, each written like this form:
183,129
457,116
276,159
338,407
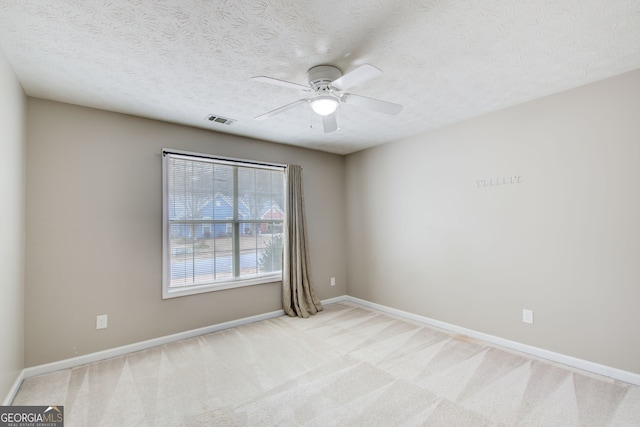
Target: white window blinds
222,223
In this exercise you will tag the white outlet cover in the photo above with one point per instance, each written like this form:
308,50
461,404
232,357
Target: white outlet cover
101,321
527,316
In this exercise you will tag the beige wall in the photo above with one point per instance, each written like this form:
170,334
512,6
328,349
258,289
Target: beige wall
94,230
12,229
565,242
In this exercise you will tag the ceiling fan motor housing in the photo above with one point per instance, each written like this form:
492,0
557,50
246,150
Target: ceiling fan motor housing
321,76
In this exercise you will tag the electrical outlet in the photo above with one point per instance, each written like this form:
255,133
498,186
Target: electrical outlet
527,316
333,281
101,321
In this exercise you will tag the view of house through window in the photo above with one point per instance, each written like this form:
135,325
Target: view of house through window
223,222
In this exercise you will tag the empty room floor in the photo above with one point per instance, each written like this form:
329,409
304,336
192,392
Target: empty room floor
346,366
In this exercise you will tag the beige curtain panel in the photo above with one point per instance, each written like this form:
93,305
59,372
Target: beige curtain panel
298,296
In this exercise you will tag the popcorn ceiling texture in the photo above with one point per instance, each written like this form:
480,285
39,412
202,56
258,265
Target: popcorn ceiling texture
445,61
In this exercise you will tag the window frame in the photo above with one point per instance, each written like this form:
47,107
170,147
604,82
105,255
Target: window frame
234,282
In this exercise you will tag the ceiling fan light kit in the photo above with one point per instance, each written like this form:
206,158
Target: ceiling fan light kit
324,104
327,84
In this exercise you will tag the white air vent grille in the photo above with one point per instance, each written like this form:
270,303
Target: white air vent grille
219,119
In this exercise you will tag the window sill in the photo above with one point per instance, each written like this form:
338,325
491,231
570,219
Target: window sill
220,286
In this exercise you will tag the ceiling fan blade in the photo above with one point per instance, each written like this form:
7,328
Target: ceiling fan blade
330,122
278,82
361,74
281,109
372,104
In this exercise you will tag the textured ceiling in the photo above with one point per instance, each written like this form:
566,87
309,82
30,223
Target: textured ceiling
445,61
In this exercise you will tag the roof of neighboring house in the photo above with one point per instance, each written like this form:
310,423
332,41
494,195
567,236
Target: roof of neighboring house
270,207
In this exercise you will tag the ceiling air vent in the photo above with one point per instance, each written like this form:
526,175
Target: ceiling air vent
219,119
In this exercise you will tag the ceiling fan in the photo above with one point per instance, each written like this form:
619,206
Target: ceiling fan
327,85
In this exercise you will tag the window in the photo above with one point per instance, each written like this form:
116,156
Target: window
222,223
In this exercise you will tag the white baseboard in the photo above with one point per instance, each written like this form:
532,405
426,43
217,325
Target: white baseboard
334,300
585,365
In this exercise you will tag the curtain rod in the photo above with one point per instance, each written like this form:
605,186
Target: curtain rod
222,158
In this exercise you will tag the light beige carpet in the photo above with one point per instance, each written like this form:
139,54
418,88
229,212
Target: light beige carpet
346,366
